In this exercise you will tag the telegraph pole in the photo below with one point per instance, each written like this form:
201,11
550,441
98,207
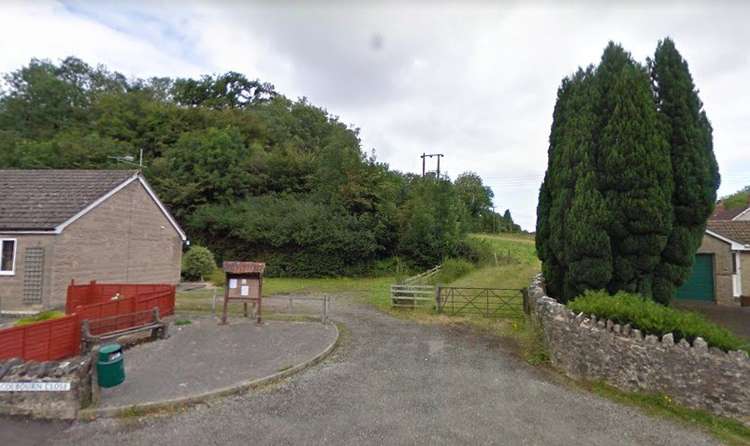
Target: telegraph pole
430,155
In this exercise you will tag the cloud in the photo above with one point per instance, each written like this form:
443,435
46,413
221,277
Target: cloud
475,81
52,30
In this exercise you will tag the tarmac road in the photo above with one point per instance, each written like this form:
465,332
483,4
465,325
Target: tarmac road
398,382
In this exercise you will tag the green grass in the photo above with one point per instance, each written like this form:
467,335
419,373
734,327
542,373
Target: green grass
179,322
514,268
730,431
200,300
43,316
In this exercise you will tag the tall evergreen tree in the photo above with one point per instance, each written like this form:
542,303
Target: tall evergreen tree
587,243
694,167
553,199
631,178
635,179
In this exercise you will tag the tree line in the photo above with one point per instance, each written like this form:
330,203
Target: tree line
631,177
248,172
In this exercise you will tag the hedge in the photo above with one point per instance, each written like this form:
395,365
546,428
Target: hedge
655,319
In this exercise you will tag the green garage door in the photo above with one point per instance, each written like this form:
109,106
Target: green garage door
700,285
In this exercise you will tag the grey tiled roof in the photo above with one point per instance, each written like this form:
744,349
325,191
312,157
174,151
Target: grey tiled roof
739,230
43,199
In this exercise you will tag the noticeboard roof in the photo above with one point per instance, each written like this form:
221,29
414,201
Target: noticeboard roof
244,267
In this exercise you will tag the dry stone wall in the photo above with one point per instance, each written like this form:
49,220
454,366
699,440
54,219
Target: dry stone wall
697,376
25,377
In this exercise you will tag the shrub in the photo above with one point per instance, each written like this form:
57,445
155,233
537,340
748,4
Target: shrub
475,250
453,269
43,316
655,319
218,278
294,236
198,263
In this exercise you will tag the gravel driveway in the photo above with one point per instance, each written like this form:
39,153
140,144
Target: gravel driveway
398,382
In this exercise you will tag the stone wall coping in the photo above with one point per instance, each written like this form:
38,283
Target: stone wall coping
586,347
591,322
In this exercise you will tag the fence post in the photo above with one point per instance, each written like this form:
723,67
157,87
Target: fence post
526,303
95,393
438,306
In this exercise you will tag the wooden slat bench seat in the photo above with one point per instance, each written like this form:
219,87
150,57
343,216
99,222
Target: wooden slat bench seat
97,331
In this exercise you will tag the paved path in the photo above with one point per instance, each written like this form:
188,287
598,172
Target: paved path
205,356
397,382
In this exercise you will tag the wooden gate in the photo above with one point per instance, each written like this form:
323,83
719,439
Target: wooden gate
412,296
488,302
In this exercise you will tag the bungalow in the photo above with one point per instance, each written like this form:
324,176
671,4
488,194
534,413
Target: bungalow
82,225
721,271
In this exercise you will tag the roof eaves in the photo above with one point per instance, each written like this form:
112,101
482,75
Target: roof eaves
736,246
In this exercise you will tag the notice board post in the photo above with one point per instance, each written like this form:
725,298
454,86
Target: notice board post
244,283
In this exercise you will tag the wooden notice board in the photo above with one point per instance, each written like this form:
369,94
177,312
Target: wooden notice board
244,283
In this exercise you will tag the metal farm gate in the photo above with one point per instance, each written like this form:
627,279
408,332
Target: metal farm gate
488,302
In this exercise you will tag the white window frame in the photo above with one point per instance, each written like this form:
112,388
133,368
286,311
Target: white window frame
737,274
12,271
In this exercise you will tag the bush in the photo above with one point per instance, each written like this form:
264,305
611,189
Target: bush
475,250
294,236
655,319
452,269
41,317
198,263
218,278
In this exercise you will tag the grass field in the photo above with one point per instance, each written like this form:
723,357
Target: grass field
514,274
201,300
516,264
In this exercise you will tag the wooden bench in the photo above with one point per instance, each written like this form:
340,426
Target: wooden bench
146,321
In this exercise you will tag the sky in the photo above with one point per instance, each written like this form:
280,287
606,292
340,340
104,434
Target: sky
475,81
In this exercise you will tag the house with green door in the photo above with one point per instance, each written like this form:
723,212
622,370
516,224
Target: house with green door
721,271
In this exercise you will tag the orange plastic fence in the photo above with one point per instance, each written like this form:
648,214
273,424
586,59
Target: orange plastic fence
61,338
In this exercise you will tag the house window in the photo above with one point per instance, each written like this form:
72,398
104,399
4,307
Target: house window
735,262
7,257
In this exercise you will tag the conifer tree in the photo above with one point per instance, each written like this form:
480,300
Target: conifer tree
605,209
552,201
694,168
587,243
634,174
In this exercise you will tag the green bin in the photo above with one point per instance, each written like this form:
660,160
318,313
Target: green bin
110,368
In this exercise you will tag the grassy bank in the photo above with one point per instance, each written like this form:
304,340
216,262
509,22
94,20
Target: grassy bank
513,265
